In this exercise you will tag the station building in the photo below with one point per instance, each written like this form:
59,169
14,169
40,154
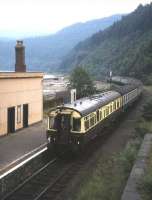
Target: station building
21,96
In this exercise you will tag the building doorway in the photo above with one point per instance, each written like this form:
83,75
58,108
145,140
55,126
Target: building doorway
25,115
11,120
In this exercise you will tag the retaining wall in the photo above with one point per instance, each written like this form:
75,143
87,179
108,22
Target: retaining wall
138,170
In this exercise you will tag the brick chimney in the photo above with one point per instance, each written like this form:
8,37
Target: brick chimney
20,57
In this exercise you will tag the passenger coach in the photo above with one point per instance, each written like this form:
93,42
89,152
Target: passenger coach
73,125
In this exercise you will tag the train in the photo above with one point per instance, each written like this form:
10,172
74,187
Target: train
73,125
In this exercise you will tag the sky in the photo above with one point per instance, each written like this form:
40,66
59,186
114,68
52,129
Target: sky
19,18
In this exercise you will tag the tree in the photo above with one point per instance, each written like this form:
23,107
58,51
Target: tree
81,80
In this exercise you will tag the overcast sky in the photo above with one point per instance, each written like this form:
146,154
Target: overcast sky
38,17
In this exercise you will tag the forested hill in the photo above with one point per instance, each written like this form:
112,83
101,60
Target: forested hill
125,47
45,53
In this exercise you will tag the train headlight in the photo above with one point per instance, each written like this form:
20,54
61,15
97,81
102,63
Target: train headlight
49,139
78,142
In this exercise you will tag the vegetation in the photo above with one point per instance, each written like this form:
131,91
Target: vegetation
125,48
147,111
145,126
146,185
110,175
109,178
81,81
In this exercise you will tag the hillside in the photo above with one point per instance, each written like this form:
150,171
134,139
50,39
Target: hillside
46,53
125,48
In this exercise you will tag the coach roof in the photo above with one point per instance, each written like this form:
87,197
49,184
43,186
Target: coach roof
89,104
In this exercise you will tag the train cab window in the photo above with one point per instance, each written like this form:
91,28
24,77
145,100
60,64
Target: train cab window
76,124
51,122
65,121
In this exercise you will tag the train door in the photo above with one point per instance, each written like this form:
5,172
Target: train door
11,120
25,115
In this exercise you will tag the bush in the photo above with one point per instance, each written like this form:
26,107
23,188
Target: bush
147,111
140,132
147,186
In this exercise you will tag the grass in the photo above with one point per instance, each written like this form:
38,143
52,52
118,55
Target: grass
146,183
109,177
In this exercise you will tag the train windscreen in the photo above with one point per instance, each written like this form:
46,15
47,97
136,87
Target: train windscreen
60,122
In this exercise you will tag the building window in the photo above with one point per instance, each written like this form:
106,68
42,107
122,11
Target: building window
19,114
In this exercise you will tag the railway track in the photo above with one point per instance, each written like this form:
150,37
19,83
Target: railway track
34,185
49,181
56,187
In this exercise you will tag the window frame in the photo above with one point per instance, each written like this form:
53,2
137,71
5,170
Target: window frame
19,112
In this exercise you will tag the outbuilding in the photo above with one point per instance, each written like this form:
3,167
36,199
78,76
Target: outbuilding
21,96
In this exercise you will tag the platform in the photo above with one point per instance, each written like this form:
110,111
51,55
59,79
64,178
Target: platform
20,146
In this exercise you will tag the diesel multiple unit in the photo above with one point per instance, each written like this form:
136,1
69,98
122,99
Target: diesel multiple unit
73,125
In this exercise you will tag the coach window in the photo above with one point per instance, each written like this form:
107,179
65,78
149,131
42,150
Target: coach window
107,111
117,103
98,112
104,113
100,115
86,124
92,121
114,105
110,108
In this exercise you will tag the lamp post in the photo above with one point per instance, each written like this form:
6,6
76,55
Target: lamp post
110,74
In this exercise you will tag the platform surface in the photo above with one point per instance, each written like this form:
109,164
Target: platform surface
17,146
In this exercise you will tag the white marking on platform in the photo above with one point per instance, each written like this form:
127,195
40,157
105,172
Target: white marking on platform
25,161
25,155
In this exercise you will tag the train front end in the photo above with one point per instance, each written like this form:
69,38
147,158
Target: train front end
64,130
